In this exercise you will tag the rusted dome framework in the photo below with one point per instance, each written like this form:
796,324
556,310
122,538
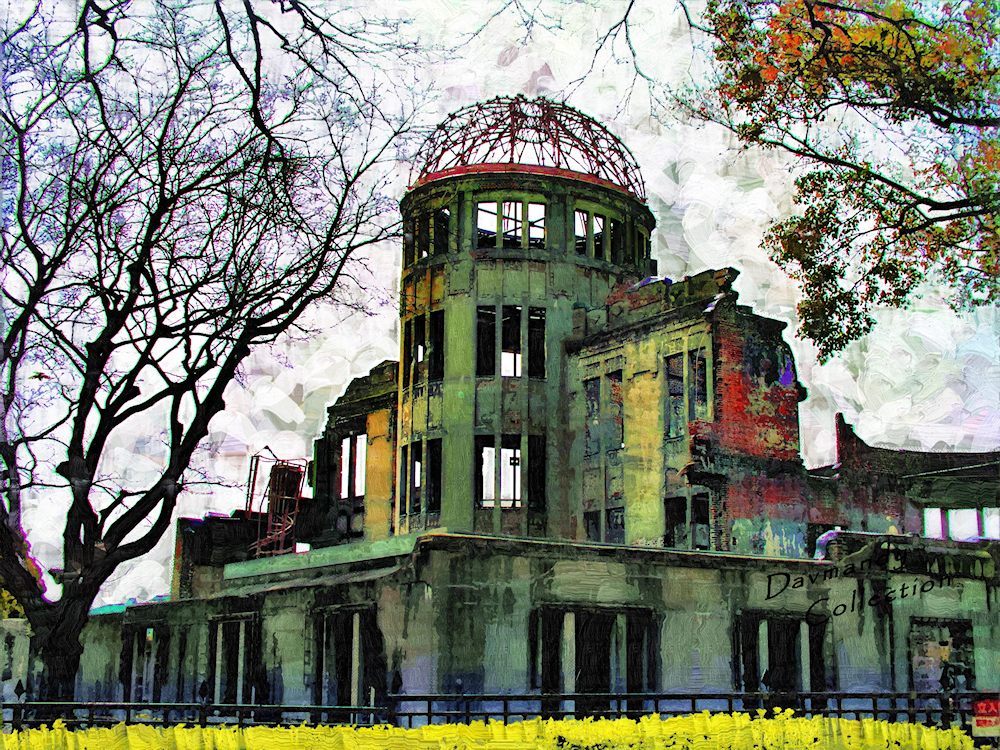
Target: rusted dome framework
536,132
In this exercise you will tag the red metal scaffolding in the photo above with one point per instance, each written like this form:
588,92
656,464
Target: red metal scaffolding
539,132
274,503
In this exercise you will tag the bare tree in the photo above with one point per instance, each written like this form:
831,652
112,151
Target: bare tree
181,180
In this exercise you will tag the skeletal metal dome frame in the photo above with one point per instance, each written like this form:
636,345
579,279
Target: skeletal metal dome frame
533,132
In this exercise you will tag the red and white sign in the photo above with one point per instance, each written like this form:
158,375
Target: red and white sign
986,722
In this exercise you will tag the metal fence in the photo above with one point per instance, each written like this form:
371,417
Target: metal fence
935,709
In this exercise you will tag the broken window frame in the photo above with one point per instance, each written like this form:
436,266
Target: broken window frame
515,222
484,456
409,241
441,231
536,473
615,411
511,358
435,346
675,406
511,489
581,232
614,525
511,224
416,477
695,531
536,342
616,242
355,460
351,462
486,343
592,415
535,230
487,238
434,476
942,521
423,236
419,352
698,401
407,354
598,232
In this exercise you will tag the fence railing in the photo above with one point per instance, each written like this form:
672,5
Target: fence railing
936,709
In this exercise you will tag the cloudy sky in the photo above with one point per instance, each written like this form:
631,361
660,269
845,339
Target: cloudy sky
926,378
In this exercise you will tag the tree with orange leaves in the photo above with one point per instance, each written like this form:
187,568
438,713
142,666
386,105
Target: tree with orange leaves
894,106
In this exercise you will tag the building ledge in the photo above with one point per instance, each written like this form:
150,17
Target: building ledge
356,552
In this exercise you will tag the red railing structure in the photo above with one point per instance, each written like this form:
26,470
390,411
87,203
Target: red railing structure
275,505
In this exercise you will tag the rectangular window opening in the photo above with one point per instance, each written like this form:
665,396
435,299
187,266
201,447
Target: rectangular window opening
616,409
434,476
933,523
598,236
632,246
409,242
510,334
442,220
617,241
416,477
423,236
699,387
436,346
360,462
345,468
404,482
675,395
675,534
536,473
580,221
991,523
407,355
700,523
963,524
592,395
486,321
536,226
512,223
485,453
614,526
486,224
536,342
592,525
419,347
510,471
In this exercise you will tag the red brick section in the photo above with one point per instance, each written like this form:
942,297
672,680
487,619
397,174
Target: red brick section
755,424
752,418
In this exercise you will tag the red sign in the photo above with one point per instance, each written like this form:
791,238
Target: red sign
986,722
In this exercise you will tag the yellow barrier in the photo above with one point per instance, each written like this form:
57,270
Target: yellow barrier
697,732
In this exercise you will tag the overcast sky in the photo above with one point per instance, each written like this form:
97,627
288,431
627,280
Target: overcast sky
926,378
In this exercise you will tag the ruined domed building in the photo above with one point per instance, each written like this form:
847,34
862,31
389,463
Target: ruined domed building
579,478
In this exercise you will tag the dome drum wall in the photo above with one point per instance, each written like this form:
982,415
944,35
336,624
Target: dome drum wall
499,270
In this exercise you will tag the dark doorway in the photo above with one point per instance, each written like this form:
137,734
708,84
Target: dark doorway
593,658
782,674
